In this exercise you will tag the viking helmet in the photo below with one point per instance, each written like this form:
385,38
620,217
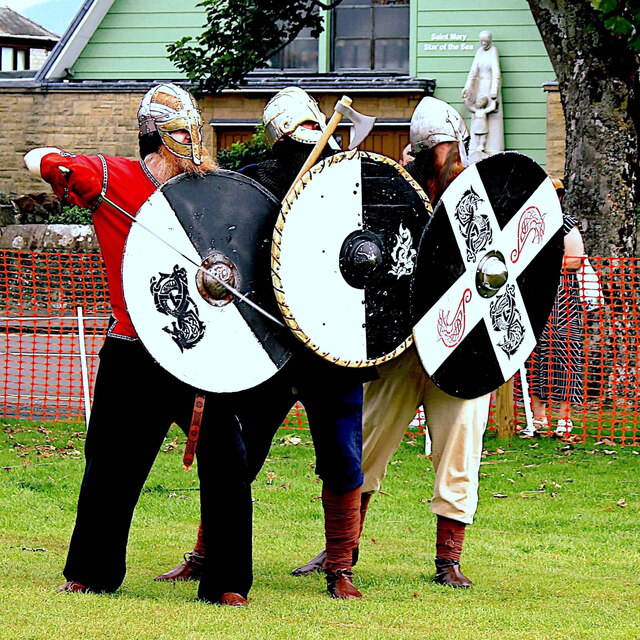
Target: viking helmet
165,109
434,121
287,111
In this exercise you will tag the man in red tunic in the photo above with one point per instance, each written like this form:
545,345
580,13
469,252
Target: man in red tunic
132,390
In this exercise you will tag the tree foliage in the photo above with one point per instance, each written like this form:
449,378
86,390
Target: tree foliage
240,154
621,18
240,36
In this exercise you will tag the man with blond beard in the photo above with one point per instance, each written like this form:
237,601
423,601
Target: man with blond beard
132,390
438,137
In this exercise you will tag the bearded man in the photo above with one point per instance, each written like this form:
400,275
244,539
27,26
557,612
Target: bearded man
132,392
438,137
331,395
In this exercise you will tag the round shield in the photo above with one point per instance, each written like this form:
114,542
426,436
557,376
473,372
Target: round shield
344,250
195,233
487,274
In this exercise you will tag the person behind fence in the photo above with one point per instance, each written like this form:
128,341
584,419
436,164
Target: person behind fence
456,426
131,389
557,361
331,395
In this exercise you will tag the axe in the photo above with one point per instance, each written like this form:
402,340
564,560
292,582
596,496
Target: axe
362,125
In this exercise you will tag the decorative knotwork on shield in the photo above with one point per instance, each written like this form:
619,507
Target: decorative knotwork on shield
171,297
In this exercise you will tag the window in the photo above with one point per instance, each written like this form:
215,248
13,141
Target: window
299,55
14,59
20,60
371,35
6,61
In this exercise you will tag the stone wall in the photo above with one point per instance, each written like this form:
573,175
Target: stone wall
105,122
555,132
85,121
101,122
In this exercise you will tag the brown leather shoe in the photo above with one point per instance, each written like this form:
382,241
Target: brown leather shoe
233,600
314,565
340,584
190,569
448,574
72,587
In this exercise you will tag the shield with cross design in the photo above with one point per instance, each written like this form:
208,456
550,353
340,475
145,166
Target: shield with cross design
487,274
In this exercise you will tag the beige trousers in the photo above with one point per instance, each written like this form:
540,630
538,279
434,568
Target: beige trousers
456,427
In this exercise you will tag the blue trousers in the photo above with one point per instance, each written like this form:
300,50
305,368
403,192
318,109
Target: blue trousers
332,399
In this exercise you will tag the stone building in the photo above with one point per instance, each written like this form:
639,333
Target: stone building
24,45
385,55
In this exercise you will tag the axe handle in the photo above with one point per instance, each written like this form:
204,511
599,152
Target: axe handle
332,125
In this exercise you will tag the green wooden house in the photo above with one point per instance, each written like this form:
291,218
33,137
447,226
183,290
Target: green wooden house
385,54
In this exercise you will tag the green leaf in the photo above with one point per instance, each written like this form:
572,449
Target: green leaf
619,25
606,6
240,36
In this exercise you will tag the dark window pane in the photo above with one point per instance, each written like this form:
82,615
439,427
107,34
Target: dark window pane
275,62
391,21
353,54
353,23
392,55
301,54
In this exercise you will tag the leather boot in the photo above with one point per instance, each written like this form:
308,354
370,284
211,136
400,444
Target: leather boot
364,505
448,574
316,564
340,584
342,531
449,541
231,599
193,565
72,586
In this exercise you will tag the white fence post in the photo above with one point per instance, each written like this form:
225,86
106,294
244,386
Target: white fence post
85,369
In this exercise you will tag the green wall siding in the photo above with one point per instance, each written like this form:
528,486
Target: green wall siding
524,62
130,43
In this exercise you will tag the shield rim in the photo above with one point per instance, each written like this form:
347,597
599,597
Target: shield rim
436,377
225,173
285,210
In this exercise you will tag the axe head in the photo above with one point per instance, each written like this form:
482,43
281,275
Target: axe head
362,124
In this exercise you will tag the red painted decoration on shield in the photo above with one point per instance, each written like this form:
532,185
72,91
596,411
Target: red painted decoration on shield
451,333
531,223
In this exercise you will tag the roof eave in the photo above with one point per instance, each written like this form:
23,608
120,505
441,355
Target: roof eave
74,39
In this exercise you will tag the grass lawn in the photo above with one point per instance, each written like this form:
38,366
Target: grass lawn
554,552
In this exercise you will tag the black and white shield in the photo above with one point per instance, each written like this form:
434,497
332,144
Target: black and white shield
487,274
193,233
344,251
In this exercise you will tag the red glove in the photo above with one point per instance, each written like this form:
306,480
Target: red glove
71,180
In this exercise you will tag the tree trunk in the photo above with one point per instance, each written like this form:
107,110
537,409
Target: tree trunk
598,79
504,414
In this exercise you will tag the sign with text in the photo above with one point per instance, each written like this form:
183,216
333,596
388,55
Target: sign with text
448,41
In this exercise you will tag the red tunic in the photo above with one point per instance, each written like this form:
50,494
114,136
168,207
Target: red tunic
128,184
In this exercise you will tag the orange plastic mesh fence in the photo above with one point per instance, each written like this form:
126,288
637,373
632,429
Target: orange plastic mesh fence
55,310
606,356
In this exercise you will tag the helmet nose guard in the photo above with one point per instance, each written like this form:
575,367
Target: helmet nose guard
434,121
166,109
287,111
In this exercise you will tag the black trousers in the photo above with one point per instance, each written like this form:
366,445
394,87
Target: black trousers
134,396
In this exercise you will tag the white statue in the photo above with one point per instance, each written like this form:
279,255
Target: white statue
481,94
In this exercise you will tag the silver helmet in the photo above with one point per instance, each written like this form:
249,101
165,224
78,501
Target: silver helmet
166,108
287,111
434,121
